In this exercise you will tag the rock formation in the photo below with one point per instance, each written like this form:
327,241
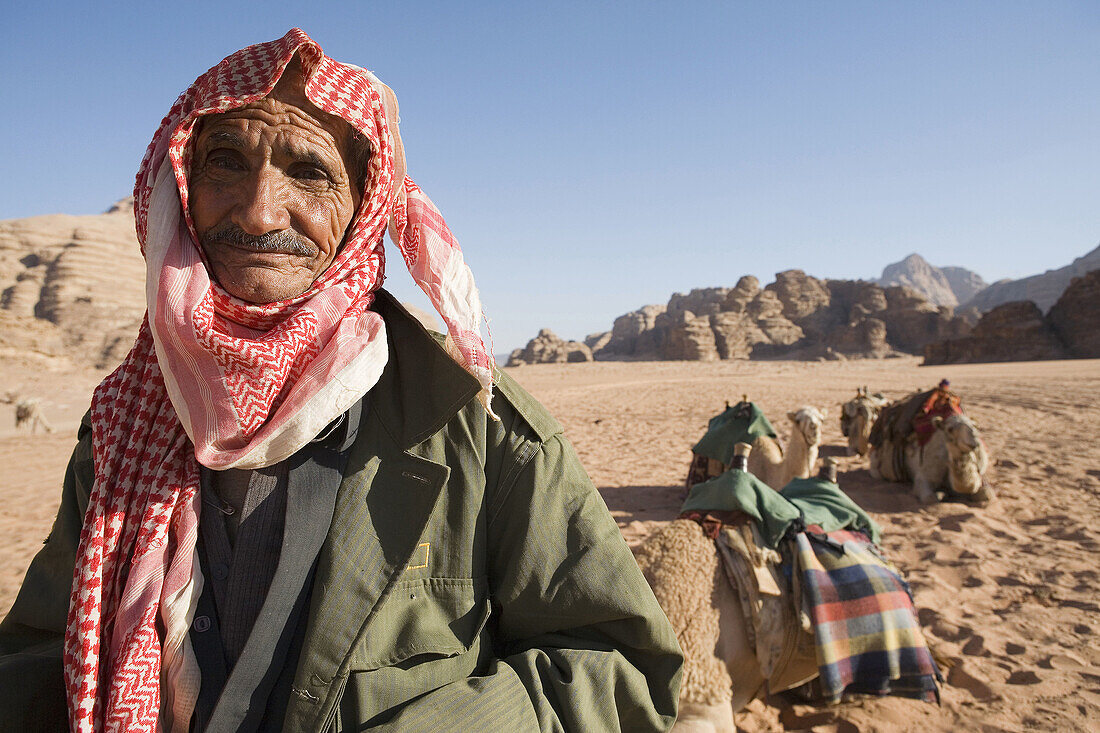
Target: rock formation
1018,331
965,284
1075,318
72,286
546,348
796,317
1043,290
1013,331
947,286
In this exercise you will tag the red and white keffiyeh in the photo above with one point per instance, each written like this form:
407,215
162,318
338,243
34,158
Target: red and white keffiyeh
216,381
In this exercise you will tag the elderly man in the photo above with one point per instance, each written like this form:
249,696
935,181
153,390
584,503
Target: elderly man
291,507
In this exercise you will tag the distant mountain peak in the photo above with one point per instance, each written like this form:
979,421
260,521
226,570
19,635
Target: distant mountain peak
943,286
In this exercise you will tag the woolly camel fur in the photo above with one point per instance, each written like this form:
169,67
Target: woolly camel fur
954,459
721,672
775,466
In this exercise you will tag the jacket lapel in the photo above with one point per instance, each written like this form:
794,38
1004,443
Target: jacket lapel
384,504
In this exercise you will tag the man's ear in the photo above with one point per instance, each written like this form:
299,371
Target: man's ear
937,422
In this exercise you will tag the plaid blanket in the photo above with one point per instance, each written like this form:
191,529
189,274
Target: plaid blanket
867,635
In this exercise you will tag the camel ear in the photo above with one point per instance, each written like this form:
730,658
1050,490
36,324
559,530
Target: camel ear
824,412
792,416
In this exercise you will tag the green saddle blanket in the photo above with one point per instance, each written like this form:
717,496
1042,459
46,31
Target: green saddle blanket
741,423
811,500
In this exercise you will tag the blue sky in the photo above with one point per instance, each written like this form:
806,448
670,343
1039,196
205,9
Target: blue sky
595,157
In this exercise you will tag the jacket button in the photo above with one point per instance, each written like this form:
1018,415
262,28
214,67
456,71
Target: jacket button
201,624
221,572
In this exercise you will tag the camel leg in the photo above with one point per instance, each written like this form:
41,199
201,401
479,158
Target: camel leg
697,717
924,490
873,467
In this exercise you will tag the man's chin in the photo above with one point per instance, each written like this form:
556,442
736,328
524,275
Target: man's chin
262,283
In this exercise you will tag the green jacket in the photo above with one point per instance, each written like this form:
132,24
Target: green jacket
471,579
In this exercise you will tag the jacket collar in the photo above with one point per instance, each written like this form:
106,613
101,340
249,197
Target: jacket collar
422,387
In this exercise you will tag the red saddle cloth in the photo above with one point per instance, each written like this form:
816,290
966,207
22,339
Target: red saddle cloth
941,403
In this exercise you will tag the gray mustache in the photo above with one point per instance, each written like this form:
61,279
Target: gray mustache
284,242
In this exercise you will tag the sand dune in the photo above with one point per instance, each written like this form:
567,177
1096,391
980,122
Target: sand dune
1007,593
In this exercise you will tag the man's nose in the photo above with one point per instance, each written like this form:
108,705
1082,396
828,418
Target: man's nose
262,207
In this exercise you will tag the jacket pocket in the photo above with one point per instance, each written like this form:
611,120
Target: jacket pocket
423,619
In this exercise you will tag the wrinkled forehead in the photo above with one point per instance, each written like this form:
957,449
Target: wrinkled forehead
285,110
251,74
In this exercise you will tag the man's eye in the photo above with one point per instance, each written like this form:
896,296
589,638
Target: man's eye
225,161
309,173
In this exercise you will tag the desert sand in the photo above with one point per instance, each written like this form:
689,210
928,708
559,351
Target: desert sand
1007,594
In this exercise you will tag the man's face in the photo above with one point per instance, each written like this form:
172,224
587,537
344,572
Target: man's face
272,192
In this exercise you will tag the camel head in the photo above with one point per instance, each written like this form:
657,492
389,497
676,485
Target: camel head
858,416
967,457
807,421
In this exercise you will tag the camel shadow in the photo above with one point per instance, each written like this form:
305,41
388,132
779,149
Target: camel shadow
643,503
876,495
832,451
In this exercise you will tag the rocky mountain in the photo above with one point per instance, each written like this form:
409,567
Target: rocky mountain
546,348
1043,290
965,284
1075,318
948,286
1013,331
796,317
71,287
1018,330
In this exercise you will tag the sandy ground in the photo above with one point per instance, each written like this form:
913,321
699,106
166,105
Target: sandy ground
1007,594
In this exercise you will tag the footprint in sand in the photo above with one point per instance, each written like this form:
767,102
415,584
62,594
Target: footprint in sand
954,522
960,677
1067,662
948,631
975,647
1010,581
1023,677
1074,534
957,577
1015,649
1043,521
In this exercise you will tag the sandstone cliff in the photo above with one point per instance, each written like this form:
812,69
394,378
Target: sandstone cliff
795,317
1075,318
71,287
1018,331
1013,331
546,348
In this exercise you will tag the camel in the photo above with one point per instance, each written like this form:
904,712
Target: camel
733,646
953,460
721,672
856,418
28,411
775,466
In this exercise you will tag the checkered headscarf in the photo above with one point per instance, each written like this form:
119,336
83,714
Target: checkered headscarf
216,381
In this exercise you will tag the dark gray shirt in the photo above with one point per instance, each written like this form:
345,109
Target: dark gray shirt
260,533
